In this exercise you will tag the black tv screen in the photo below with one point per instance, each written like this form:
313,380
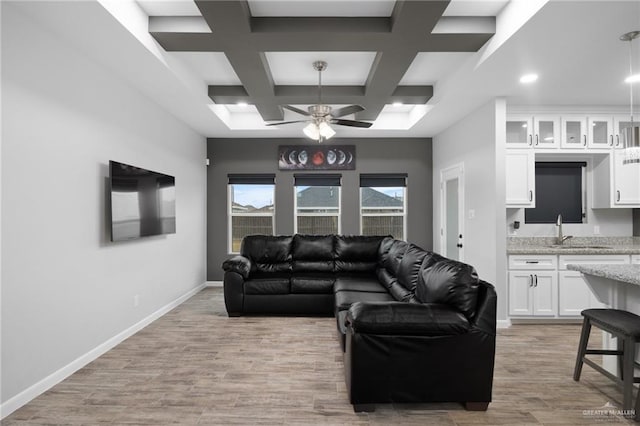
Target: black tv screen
143,202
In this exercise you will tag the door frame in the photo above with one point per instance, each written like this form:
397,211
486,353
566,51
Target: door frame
453,172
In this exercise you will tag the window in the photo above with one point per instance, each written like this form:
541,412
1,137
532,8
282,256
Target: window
383,201
251,207
559,190
317,204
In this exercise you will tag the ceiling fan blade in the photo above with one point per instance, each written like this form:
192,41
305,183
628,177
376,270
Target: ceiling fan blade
297,110
285,122
341,112
352,123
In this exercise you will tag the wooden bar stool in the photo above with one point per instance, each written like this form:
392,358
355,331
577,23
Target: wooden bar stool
626,327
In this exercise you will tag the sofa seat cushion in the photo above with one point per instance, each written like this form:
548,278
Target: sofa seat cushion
344,299
450,282
267,286
399,318
312,284
367,284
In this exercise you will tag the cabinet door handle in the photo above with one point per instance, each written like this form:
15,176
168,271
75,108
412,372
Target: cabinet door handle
530,280
611,144
617,140
530,195
530,140
532,261
618,195
536,279
537,140
584,140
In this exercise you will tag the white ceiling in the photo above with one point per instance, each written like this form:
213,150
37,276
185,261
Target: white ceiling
572,45
343,68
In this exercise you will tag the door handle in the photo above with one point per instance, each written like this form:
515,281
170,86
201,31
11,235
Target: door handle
530,195
530,280
611,137
536,280
618,195
459,245
530,140
584,140
617,140
537,141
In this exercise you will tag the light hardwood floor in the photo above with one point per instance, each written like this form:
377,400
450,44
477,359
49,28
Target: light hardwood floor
197,366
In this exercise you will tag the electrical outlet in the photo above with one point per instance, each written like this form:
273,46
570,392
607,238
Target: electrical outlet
136,300
596,230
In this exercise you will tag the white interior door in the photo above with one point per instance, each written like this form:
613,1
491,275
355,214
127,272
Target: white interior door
452,212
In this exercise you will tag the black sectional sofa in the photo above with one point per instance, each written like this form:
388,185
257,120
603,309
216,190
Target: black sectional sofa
415,326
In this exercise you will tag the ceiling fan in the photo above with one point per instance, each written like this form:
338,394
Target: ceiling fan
320,115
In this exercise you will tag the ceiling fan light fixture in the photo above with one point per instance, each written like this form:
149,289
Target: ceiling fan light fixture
312,131
325,130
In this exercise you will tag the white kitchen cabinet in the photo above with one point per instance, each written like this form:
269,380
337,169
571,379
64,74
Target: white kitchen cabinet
546,131
626,181
539,132
574,294
621,122
519,131
532,293
520,178
600,132
573,132
635,259
615,184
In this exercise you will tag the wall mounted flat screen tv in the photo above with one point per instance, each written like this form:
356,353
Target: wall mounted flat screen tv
143,202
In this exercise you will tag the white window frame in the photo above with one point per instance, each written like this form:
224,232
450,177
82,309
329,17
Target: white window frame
230,216
295,209
403,214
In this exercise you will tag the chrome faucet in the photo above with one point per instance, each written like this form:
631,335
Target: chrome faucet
560,239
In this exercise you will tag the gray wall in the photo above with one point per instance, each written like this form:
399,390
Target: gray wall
412,156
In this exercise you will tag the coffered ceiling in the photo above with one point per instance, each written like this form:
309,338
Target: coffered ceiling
442,59
370,47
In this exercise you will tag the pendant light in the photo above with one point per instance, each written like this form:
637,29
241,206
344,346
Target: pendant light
631,135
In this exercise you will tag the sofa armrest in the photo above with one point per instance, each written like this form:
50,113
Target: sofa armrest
238,264
485,318
408,319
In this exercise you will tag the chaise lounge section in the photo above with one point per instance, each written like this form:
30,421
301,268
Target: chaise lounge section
415,326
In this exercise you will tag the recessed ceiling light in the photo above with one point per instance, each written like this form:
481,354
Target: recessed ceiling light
397,104
632,78
528,78
242,104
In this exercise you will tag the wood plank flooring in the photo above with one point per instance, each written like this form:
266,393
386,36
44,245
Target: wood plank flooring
197,366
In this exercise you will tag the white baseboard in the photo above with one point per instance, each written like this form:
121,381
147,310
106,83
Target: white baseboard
214,284
53,379
503,323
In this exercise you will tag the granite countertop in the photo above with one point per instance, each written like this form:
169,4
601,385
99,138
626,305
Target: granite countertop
624,273
577,245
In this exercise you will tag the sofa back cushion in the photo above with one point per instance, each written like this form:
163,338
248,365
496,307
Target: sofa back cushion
268,254
357,253
313,253
390,254
409,268
449,282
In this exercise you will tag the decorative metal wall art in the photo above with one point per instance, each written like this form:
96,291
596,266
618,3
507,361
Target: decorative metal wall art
317,157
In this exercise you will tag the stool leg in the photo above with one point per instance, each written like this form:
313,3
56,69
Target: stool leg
619,360
582,348
627,372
